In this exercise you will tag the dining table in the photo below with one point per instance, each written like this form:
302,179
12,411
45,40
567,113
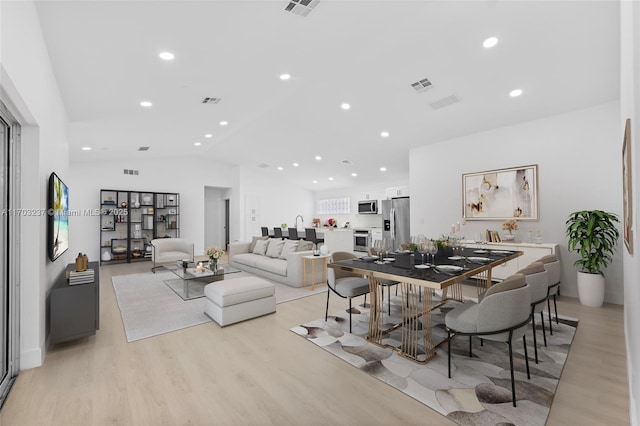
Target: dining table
417,283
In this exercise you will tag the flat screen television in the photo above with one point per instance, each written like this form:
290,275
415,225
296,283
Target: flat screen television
58,217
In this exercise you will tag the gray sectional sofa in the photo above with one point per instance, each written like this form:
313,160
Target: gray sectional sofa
283,266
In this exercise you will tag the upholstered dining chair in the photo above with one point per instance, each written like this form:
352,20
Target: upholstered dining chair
293,234
310,235
538,278
384,282
502,316
551,264
345,284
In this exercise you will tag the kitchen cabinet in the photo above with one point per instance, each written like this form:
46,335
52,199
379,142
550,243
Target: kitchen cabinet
532,252
396,191
340,239
376,235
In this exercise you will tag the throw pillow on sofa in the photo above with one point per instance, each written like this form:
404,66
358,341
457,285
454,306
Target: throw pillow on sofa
275,247
253,242
260,247
288,247
305,245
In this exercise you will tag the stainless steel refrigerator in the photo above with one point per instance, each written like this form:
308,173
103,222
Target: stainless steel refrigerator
395,221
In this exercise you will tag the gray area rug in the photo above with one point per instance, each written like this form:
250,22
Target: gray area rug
149,307
479,392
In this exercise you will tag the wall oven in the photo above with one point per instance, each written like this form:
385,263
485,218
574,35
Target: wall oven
361,239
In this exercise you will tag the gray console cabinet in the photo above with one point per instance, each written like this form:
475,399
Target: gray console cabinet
74,310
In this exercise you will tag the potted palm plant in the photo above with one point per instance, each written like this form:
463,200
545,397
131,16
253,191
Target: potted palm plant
593,235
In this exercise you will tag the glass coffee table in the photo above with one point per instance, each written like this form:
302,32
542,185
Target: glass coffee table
189,283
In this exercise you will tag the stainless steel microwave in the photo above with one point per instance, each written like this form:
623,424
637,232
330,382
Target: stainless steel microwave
368,207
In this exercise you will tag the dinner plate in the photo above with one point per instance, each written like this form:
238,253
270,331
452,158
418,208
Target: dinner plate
452,268
388,259
423,266
369,258
456,258
500,252
480,251
478,259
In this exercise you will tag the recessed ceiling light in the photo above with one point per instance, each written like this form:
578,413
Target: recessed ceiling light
167,56
354,174
208,135
224,123
86,148
515,93
197,143
345,106
490,42
315,181
145,104
330,178
318,158
295,164
285,76
384,134
383,169
281,168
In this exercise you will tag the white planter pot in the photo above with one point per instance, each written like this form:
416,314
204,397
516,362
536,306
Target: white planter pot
591,289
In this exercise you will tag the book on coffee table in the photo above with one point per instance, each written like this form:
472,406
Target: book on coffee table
194,272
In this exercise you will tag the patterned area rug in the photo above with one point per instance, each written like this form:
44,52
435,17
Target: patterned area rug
479,392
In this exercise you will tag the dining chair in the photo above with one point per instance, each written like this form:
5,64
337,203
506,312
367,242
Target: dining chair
551,264
310,235
501,316
293,234
537,277
277,232
345,284
384,282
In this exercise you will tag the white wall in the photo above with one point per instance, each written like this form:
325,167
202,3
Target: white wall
630,108
28,84
186,176
274,200
579,167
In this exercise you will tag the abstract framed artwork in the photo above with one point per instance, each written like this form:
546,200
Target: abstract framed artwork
501,194
626,188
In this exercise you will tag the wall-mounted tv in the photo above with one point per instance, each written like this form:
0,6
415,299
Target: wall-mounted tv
58,217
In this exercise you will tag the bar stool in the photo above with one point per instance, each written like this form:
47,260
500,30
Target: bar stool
293,234
310,235
277,232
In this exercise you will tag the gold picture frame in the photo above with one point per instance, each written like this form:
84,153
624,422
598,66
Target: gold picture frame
501,194
627,197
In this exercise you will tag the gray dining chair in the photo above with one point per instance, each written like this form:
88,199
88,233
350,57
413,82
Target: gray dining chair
345,284
501,316
538,278
551,264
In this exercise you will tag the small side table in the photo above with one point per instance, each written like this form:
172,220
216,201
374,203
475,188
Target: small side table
312,260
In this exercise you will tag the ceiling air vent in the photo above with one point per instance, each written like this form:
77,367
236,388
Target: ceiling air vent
211,100
301,7
143,148
422,85
445,102
263,165
130,172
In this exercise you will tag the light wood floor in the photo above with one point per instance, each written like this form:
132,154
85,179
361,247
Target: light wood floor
258,372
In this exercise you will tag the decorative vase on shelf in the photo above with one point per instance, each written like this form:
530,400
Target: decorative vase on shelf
213,264
509,237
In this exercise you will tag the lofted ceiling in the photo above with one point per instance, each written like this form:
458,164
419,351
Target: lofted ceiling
563,55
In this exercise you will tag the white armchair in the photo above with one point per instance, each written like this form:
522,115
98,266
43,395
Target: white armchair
166,250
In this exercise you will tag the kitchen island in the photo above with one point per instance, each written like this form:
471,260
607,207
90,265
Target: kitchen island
340,239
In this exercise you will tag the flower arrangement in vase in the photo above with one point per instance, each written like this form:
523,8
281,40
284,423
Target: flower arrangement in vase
332,223
510,225
214,254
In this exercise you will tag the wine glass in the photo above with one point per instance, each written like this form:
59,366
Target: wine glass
432,249
422,248
377,246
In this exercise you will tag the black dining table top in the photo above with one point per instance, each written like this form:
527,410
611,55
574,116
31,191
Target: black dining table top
433,275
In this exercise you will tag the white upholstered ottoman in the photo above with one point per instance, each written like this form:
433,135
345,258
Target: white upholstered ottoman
239,299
